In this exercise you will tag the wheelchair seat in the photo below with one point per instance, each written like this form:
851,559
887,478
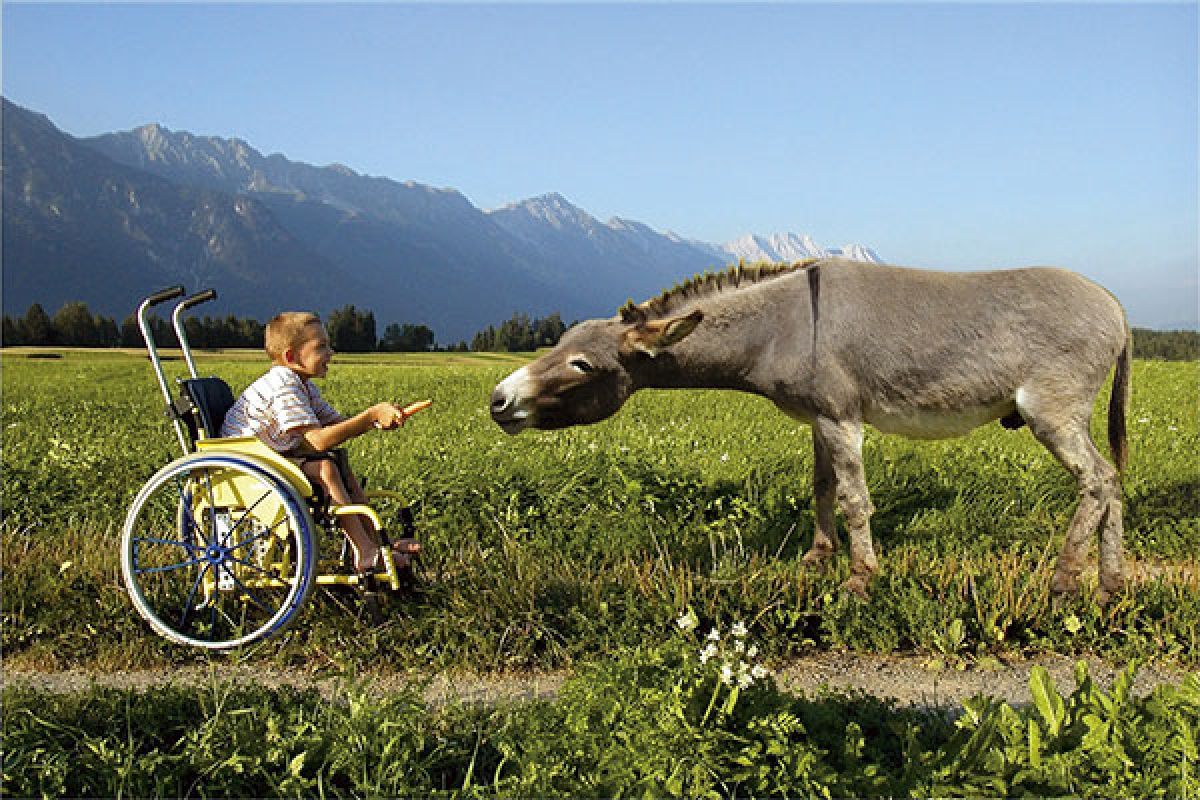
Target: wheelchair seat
209,399
203,404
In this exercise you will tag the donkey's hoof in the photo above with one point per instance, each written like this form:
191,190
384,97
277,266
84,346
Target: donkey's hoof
1108,590
816,557
857,586
1065,583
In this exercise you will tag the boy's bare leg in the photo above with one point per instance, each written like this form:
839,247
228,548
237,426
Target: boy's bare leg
364,542
404,549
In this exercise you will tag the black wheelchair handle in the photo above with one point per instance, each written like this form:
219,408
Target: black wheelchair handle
198,298
163,296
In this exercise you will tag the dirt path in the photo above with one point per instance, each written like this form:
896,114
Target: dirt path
907,680
911,681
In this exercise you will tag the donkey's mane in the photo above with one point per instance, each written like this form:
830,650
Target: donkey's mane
706,284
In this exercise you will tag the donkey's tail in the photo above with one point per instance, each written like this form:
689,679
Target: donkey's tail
1118,404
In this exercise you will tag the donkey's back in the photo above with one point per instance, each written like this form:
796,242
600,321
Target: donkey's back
929,354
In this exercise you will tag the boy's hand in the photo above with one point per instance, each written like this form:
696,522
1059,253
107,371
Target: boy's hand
387,416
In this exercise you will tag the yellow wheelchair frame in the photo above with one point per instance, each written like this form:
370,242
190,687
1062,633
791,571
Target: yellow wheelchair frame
235,490
220,547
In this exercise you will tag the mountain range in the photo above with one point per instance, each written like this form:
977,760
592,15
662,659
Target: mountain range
110,218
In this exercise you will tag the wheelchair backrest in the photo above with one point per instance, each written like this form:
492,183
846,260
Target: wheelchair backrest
210,400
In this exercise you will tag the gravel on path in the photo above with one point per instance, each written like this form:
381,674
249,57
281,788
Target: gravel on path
907,681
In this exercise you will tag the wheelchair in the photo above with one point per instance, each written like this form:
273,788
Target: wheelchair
222,546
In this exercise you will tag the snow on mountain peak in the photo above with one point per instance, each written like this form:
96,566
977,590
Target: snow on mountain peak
531,217
781,247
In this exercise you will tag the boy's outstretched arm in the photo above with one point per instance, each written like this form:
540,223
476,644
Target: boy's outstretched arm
380,415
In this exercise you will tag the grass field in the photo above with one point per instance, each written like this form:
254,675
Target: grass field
642,725
551,549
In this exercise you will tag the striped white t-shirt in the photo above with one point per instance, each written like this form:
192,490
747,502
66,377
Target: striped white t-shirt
275,407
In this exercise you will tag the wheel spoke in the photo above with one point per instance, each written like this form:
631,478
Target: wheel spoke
210,504
260,535
152,540
255,567
250,594
249,510
187,604
185,504
219,610
167,568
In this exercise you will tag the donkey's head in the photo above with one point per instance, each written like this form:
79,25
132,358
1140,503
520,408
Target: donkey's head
589,375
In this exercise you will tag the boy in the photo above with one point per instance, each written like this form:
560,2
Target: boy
286,411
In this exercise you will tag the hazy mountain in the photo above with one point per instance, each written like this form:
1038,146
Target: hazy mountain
110,218
427,255
561,257
618,257
634,255
79,226
548,252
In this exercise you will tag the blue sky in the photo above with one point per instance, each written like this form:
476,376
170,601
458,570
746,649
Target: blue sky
951,135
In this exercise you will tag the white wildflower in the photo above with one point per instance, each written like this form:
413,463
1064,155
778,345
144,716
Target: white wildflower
752,651
739,629
739,647
744,677
708,653
759,672
687,621
714,635
727,675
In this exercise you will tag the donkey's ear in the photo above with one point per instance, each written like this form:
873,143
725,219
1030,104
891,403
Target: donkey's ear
657,335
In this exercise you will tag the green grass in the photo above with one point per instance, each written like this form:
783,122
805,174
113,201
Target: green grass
550,549
654,722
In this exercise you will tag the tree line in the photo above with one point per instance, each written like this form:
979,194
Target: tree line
1166,345
351,330
74,325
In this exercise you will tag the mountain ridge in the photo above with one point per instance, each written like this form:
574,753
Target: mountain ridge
73,219
407,251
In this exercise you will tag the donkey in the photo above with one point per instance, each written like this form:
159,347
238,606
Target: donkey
838,344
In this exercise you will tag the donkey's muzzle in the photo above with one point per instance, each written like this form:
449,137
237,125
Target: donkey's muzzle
507,407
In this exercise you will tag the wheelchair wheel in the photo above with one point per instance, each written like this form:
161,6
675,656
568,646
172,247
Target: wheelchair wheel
218,551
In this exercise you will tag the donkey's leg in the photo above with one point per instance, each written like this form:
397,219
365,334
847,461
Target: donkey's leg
1112,545
824,493
1069,439
844,442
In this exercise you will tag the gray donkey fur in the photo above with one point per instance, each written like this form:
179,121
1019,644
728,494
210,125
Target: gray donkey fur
838,344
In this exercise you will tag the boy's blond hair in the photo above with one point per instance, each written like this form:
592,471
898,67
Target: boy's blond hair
288,329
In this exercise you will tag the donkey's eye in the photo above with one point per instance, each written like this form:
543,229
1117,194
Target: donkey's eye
581,365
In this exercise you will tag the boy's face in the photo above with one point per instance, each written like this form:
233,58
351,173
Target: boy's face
311,358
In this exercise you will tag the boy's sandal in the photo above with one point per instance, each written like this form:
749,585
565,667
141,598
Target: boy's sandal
406,547
404,552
